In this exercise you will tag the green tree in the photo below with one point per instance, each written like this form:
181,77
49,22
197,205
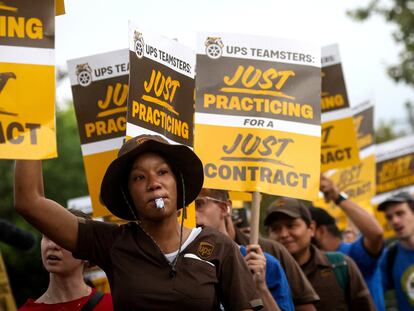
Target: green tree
386,131
64,179
399,13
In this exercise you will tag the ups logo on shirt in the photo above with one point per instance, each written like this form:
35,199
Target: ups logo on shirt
326,273
205,250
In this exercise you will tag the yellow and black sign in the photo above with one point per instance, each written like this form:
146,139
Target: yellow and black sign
358,181
60,7
395,173
161,93
27,80
255,117
364,124
395,164
100,90
339,142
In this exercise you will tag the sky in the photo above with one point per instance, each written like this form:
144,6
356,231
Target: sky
97,26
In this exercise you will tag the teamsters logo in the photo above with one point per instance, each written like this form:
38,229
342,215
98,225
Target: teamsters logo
84,74
214,47
139,44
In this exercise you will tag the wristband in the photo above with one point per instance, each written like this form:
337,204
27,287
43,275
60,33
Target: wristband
341,197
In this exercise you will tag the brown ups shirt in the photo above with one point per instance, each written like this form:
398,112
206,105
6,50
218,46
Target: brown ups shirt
209,271
302,290
333,298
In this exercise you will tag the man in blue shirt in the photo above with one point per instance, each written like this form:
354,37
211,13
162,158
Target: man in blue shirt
397,263
365,251
213,209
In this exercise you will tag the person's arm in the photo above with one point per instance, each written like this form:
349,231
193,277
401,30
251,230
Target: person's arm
49,217
366,223
256,262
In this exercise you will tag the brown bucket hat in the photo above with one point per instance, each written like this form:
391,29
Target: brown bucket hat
183,160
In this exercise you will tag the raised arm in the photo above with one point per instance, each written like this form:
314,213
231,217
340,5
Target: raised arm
366,223
49,217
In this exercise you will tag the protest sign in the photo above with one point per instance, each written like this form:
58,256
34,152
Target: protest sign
100,90
358,180
27,80
339,142
60,7
395,171
258,114
161,90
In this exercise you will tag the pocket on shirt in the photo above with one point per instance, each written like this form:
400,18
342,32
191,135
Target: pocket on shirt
196,277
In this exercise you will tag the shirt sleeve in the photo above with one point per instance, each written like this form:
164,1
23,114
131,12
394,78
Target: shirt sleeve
277,283
359,296
364,260
238,290
95,240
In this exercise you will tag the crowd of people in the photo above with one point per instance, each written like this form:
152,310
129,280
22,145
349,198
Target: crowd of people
154,262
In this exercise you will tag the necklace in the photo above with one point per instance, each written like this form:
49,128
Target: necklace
174,262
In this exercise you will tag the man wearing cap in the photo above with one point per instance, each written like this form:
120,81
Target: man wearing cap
212,209
365,250
397,263
290,223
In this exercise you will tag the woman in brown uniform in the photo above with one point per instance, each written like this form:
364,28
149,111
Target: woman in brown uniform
152,262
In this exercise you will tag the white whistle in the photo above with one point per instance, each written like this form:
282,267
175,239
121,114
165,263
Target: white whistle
159,203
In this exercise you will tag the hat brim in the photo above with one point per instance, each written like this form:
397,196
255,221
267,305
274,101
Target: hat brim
272,215
383,206
180,157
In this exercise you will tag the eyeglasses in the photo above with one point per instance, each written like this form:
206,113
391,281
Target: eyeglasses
200,202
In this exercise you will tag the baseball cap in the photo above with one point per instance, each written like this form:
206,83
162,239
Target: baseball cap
400,197
291,207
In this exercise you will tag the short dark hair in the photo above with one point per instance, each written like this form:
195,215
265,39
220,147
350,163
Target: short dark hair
334,230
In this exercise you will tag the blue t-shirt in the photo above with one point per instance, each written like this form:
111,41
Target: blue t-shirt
402,277
276,282
369,267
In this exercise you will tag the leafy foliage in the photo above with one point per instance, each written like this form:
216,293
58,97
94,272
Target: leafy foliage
401,14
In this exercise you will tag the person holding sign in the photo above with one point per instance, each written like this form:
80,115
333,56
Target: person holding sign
151,262
67,289
334,276
366,250
213,209
303,294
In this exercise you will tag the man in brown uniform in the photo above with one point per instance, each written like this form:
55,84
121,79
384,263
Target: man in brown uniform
290,223
304,296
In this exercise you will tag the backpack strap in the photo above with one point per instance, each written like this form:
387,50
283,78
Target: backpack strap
340,268
93,301
392,253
